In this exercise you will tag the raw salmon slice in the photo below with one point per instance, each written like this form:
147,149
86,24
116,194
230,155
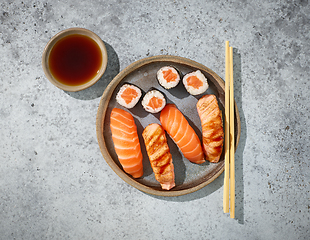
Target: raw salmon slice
129,94
126,142
159,155
195,82
169,75
212,127
174,122
155,102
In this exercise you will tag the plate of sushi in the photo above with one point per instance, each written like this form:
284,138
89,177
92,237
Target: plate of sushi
160,125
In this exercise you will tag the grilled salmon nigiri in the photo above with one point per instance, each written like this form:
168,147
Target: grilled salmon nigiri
174,122
212,127
159,154
126,142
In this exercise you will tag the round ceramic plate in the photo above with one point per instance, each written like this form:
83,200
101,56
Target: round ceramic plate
189,177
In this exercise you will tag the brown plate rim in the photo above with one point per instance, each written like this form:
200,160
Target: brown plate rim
103,105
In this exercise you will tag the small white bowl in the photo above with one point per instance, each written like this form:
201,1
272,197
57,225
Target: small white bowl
55,39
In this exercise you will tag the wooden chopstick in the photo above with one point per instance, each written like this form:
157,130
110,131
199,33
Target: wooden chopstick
229,178
227,129
232,136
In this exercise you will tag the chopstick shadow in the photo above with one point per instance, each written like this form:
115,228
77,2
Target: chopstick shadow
239,185
96,90
218,183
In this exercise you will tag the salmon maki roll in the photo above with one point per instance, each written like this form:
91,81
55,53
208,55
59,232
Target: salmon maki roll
168,77
195,82
174,122
159,155
212,127
128,95
153,101
126,142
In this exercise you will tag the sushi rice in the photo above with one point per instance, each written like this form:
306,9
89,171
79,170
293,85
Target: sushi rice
128,95
153,101
195,82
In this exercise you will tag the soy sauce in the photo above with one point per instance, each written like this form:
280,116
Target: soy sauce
75,60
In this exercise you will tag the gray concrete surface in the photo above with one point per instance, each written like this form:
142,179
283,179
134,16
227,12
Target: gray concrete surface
54,181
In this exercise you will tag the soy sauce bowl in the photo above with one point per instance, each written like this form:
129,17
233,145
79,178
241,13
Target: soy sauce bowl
57,80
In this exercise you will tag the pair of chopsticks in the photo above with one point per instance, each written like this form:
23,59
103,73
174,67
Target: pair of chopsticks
229,177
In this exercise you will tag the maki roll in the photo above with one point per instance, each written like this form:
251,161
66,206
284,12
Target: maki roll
128,95
168,77
195,82
153,101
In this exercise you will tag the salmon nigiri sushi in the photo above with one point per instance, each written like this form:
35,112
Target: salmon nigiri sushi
126,142
159,155
212,127
174,122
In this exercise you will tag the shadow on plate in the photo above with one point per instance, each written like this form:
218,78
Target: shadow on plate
179,91
147,169
95,91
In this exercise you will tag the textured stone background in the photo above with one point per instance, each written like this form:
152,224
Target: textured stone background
54,182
